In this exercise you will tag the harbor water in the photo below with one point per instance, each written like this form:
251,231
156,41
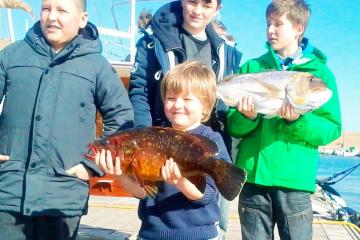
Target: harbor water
348,187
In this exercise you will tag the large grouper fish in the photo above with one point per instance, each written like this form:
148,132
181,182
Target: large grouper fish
143,151
270,90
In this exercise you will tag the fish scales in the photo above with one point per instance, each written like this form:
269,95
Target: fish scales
143,151
271,90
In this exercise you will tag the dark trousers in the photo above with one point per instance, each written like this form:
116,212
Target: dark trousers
16,226
260,208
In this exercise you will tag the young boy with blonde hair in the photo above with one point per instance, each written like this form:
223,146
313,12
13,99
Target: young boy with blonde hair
280,154
181,210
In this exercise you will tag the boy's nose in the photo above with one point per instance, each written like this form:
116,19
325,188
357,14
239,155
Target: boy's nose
179,103
52,15
198,9
270,29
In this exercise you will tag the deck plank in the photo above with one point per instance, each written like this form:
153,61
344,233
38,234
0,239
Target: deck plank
116,218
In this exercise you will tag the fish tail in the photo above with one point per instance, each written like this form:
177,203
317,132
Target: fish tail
228,178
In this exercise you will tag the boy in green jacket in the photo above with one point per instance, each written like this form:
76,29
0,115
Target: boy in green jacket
281,154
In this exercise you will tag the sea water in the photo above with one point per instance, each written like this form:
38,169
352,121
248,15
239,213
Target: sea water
348,187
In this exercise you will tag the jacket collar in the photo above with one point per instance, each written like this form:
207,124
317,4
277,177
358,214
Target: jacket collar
310,53
87,41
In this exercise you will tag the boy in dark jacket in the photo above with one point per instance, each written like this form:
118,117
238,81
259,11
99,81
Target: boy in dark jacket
181,210
53,82
281,153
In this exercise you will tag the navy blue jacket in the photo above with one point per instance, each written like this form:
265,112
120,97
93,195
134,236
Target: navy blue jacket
48,120
170,215
157,52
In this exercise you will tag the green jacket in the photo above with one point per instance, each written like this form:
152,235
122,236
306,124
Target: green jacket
282,154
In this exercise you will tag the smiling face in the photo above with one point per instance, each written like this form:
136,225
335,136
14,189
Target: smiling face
183,110
198,14
61,21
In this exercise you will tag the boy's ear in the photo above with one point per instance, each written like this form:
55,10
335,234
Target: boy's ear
300,29
83,19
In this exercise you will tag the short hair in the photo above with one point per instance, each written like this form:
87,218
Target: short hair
194,77
218,25
222,30
297,11
210,1
82,5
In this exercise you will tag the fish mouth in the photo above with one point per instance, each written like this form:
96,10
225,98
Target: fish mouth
94,148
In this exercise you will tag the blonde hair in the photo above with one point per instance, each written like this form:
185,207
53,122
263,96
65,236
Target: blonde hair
297,11
194,77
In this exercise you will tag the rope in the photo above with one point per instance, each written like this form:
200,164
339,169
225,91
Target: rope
328,180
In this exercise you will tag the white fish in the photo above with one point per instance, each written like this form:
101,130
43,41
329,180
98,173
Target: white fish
17,4
270,90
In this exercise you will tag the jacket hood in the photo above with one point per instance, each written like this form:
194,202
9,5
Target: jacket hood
310,52
86,42
167,22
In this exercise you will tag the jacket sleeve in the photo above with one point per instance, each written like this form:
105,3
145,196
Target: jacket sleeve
324,124
210,192
112,101
238,124
142,82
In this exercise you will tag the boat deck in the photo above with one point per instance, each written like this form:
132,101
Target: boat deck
116,218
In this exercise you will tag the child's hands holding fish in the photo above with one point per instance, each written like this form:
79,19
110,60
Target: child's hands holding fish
171,172
104,160
287,112
172,175
246,106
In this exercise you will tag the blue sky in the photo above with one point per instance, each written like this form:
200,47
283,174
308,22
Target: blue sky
333,28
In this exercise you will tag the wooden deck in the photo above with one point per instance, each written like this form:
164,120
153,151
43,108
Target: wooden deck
116,218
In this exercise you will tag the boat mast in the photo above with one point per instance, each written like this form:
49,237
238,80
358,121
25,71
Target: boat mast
132,30
11,26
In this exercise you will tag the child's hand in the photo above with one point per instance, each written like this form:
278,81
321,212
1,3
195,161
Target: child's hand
4,158
80,171
171,172
247,108
287,112
104,160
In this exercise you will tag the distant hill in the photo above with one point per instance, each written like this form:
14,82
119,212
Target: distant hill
348,139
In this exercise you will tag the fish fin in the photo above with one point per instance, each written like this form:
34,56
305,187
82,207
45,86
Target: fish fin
136,174
151,189
228,178
229,77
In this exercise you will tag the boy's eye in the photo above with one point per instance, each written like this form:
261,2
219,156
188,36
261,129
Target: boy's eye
188,99
62,11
